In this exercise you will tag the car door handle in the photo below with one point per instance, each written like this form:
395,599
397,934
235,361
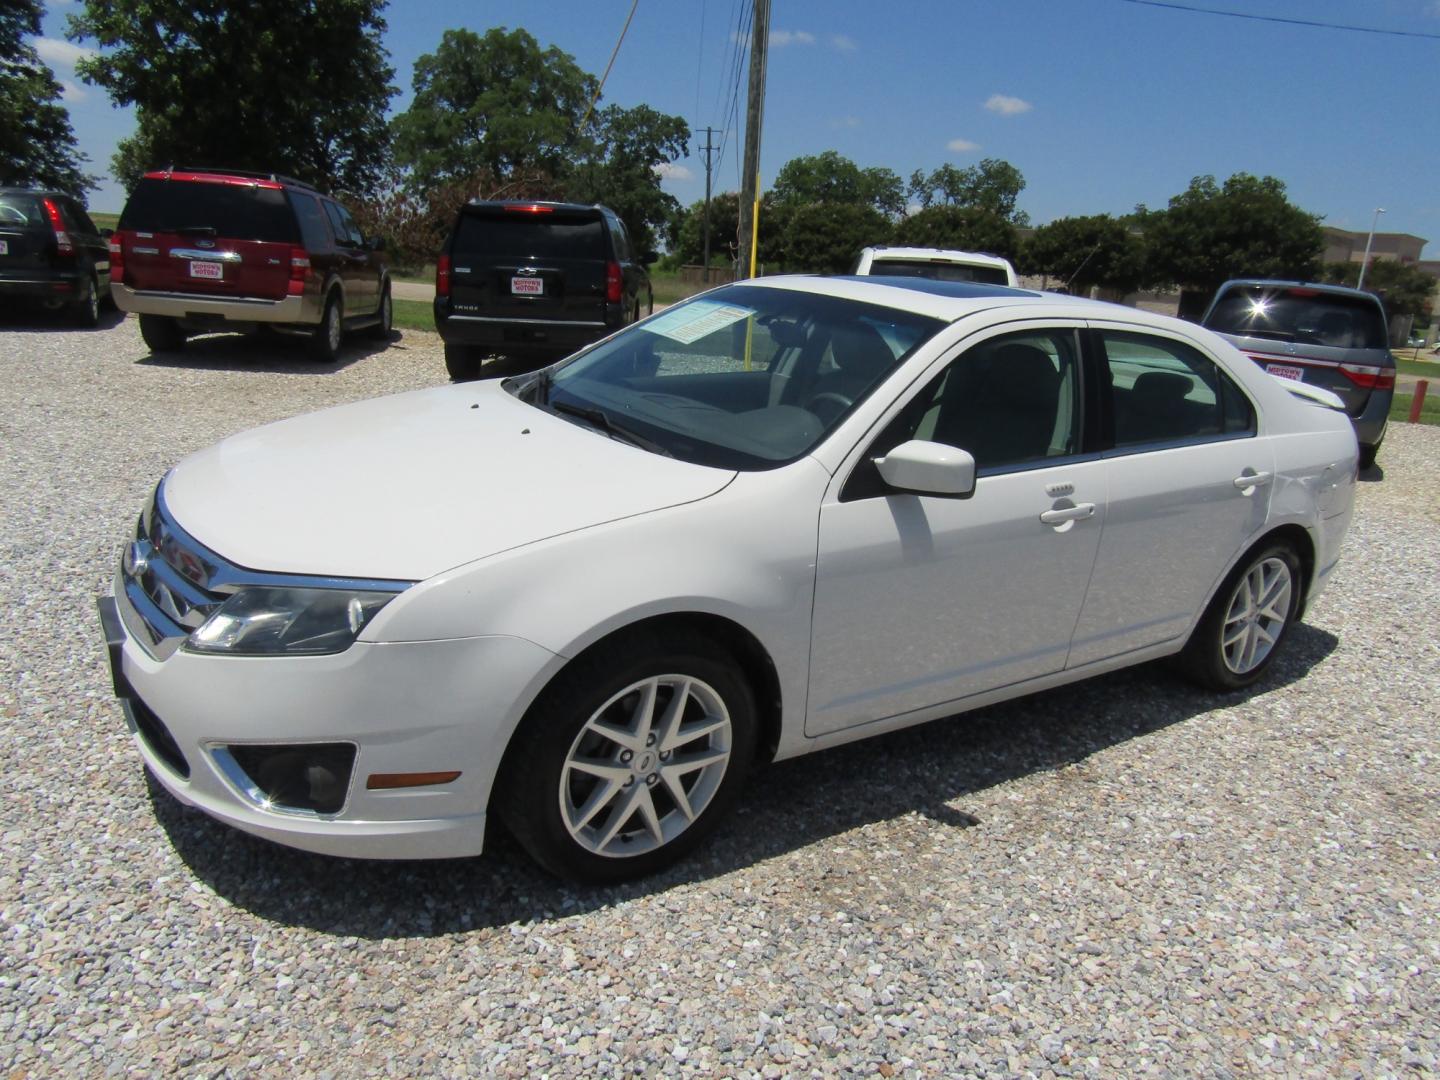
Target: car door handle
1252,480
1069,513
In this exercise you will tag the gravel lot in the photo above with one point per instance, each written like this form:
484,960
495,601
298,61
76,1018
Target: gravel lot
1126,877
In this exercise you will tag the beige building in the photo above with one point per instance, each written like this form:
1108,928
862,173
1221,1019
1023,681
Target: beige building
1344,246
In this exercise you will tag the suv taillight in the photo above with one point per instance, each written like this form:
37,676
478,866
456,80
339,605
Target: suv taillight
299,271
117,261
614,283
1369,376
63,246
442,276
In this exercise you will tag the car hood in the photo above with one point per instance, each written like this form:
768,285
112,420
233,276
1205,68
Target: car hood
404,487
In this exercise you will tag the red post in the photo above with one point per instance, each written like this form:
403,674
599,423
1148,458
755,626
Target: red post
1418,401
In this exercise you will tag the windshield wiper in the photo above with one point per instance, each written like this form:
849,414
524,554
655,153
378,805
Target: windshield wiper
601,420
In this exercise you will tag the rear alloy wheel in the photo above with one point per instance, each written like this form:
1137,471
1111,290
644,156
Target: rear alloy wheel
1247,620
325,343
629,759
162,334
87,309
462,362
381,330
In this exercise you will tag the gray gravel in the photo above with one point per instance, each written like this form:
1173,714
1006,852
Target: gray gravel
1122,878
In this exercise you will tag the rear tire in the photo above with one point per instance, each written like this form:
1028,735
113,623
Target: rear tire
325,342
162,334
463,362
381,330
1245,625
629,758
1367,455
87,309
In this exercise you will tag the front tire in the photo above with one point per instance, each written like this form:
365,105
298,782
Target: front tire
1246,623
162,334
629,758
462,362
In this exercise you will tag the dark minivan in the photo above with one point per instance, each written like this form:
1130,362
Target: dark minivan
534,281
51,252
1326,335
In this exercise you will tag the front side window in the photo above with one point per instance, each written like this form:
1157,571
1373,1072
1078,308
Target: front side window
1165,391
745,377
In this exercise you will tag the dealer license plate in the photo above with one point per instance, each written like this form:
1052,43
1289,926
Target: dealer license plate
211,271
1286,371
527,286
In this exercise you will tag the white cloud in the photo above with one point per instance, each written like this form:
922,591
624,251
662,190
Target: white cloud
960,146
72,92
61,54
1008,106
845,44
780,38
669,170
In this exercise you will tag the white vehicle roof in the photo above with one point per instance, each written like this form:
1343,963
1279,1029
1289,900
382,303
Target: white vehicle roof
969,258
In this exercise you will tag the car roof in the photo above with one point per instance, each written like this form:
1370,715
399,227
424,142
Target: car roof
504,204
951,300
44,193
1278,283
938,254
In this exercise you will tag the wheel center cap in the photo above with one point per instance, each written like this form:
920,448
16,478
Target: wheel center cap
645,762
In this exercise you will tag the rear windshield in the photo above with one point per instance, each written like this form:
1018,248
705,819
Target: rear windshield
511,234
1301,315
21,211
233,212
939,271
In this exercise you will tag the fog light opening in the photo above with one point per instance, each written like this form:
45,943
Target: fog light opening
310,777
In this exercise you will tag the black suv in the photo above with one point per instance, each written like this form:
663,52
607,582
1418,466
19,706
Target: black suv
50,251
202,250
534,281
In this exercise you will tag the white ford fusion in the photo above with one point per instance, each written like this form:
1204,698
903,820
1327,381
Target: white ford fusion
780,516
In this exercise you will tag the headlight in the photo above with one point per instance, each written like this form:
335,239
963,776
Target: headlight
265,621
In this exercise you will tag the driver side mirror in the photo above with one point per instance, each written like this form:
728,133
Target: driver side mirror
929,468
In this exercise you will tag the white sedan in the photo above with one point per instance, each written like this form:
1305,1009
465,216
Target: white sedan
783,515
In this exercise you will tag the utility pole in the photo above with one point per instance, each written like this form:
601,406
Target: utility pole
1365,262
709,148
754,117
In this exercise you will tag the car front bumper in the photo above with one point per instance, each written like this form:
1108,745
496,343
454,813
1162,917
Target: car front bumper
200,308
407,708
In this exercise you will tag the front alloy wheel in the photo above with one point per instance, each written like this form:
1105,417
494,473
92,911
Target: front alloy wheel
629,758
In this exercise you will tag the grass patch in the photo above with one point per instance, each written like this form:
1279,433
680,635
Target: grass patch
669,289
425,275
1429,412
413,314
1426,369
103,220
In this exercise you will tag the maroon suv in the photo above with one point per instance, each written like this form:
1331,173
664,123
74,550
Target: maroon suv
200,251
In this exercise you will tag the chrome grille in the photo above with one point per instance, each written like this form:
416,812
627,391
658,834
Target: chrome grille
169,580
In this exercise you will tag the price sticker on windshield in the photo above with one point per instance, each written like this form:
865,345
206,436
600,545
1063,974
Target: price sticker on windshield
693,321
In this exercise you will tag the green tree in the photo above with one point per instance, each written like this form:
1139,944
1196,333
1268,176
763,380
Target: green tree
825,238
1245,228
294,86
497,104
37,144
689,242
1084,252
831,178
992,185
963,228
618,167
1404,290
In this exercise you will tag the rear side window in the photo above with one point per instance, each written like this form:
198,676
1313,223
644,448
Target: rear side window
1164,392
939,271
510,234
313,227
233,211
21,212
346,232
1298,314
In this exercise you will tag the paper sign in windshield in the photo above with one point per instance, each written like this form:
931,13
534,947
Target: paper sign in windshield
693,321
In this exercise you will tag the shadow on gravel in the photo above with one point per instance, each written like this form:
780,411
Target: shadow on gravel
785,807
267,353
35,319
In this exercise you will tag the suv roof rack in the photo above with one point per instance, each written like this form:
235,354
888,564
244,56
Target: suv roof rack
277,178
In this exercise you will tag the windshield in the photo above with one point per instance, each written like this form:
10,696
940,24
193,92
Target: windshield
1298,314
744,377
939,270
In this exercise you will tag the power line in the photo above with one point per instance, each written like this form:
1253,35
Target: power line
613,53
1195,10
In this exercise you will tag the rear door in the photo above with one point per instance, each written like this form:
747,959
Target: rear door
27,239
357,269
1309,335
218,237
530,262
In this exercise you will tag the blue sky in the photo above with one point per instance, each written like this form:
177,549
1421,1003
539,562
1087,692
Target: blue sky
1102,104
